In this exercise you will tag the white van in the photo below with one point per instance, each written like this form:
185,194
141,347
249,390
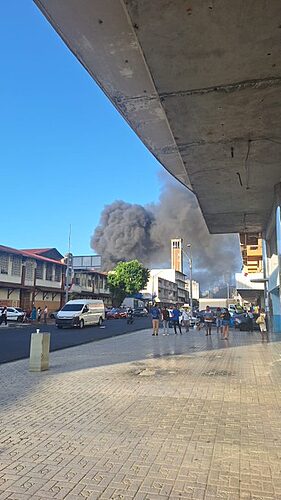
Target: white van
81,313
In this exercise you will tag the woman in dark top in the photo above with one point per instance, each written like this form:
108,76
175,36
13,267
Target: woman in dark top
225,323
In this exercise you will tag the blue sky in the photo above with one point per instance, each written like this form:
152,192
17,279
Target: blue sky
65,151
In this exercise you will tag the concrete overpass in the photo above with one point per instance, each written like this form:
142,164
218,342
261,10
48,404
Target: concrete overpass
200,83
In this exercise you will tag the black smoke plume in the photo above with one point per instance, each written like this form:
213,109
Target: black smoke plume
128,231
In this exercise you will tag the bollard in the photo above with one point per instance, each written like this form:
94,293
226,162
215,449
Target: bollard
39,351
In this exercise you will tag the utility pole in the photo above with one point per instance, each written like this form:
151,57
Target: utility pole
68,267
190,277
190,274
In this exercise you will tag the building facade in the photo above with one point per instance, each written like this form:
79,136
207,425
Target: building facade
28,278
272,262
90,284
250,288
195,289
251,251
177,254
84,281
166,286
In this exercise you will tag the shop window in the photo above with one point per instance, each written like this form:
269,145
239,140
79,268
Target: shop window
49,272
16,266
57,273
4,263
39,270
29,270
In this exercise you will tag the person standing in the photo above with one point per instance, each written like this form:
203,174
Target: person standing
185,320
4,316
33,314
39,312
219,320
261,321
225,323
130,316
45,314
155,316
208,320
176,319
166,317
251,320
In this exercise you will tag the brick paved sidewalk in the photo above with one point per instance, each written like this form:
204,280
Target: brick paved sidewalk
146,418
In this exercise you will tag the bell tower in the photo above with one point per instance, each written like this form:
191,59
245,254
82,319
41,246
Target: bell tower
177,254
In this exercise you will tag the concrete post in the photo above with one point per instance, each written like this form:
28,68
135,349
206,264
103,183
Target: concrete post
265,275
278,244
277,189
39,352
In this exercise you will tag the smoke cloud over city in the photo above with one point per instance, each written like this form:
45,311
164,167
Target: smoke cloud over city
128,231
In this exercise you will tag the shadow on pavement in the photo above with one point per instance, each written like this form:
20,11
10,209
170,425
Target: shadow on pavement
17,382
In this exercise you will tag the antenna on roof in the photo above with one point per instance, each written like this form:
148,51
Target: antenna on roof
69,238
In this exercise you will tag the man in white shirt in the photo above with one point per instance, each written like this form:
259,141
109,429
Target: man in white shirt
185,319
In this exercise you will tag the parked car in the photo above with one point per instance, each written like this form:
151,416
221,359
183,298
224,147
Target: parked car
53,314
14,314
80,313
193,321
116,313
140,312
242,322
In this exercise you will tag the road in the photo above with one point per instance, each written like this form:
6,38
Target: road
15,340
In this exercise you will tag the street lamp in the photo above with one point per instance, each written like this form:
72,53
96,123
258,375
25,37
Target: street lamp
190,274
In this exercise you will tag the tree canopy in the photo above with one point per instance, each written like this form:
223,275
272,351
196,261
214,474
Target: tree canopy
127,278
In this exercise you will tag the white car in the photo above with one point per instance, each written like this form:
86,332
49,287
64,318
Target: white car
14,314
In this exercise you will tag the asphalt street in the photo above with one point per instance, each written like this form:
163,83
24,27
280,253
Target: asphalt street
15,340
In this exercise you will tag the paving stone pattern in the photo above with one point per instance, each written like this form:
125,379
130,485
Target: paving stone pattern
147,418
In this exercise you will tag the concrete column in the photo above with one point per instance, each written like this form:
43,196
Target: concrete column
265,275
278,245
276,300
272,248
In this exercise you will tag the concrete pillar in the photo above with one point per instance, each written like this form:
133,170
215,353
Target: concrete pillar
265,275
278,245
276,293
39,352
273,261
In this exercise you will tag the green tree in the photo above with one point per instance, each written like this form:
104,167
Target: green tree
127,278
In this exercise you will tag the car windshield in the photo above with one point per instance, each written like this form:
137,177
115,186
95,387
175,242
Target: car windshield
19,309
72,307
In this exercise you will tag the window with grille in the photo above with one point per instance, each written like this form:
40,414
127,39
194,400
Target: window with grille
16,265
57,273
49,272
29,270
4,263
39,270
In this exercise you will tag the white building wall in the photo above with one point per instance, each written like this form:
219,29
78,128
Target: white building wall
272,261
195,288
170,276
